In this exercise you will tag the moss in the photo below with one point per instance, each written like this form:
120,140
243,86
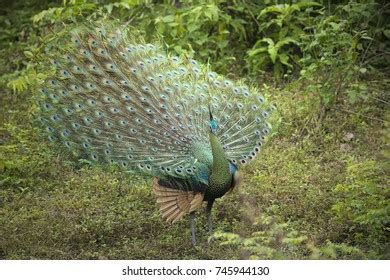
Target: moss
317,189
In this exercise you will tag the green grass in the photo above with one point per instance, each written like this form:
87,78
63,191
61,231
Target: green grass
317,190
52,209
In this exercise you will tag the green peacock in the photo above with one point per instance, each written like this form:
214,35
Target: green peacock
116,100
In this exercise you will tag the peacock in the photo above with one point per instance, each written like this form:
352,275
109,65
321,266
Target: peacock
114,99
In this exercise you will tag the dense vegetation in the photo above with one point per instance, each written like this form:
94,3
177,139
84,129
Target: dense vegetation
318,190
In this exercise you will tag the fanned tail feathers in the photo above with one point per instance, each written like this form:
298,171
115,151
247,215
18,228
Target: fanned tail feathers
116,99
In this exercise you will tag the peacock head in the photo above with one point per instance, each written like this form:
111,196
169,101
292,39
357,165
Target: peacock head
213,124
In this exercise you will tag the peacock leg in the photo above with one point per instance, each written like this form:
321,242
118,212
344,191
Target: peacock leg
208,213
192,220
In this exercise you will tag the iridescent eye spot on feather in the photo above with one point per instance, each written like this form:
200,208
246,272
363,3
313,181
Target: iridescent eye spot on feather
99,114
68,57
107,98
67,111
65,73
77,69
114,110
254,107
196,70
265,114
55,62
79,106
75,125
53,96
85,53
131,109
211,75
101,52
75,41
92,67
108,124
96,131
110,67
260,99
55,118
49,129
90,86
94,157
53,82
87,121
168,90
144,99
178,170
107,82
43,91
123,122
75,88
92,42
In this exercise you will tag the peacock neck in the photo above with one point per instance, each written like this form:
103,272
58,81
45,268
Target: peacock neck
220,178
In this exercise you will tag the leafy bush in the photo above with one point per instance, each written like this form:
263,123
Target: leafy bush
309,194
340,41
363,205
281,27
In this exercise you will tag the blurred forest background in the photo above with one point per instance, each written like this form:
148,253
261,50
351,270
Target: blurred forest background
318,190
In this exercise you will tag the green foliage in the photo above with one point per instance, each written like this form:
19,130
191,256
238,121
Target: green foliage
281,27
341,41
363,204
273,241
318,190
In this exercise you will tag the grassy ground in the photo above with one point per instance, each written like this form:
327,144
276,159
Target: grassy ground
319,188
52,209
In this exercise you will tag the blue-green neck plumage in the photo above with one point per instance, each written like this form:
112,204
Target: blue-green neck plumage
220,179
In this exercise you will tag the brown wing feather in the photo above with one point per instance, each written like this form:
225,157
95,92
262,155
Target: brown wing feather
173,203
